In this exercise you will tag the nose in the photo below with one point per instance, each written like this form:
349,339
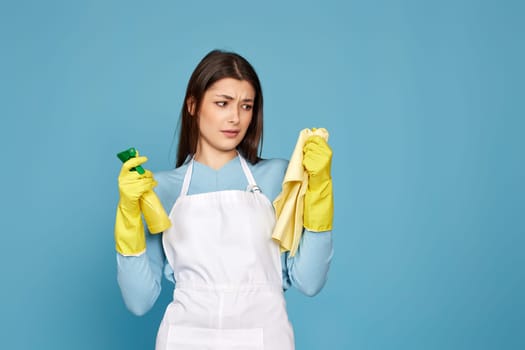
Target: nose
235,116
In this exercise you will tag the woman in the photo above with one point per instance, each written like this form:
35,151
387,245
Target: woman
229,274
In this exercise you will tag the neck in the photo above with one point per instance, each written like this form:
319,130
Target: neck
214,160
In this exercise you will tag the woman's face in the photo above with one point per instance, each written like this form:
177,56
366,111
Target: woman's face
225,114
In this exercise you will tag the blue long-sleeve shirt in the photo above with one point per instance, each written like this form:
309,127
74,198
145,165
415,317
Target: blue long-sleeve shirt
139,277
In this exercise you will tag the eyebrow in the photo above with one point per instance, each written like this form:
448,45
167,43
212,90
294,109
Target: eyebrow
228,97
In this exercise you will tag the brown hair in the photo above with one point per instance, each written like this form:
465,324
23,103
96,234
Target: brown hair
217,65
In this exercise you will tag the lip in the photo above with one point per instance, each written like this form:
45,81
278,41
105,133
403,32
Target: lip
231,133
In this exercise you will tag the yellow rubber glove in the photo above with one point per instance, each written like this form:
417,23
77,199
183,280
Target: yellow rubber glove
129,229
318,200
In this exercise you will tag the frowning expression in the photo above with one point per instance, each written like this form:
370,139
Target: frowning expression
224,116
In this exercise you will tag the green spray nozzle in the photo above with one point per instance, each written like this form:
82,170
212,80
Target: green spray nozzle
128,154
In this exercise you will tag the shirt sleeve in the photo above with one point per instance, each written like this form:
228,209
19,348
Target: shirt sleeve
308,269
139,277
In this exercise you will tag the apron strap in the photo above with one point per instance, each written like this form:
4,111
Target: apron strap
187,179
252,185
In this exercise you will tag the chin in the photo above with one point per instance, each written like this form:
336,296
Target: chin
231,146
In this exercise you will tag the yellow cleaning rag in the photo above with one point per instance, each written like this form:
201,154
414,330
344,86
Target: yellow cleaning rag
289,203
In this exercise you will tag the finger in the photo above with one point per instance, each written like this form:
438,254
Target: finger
137,189
316,157
313,148
147,186
133,162
132,180
147,174
135,176
317,145
316,139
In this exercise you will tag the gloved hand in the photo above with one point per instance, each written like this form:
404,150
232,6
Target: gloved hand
318,200
129,229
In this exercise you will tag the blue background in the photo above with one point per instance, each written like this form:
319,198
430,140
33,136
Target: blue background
424,102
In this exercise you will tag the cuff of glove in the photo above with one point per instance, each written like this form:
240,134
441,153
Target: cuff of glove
129,235
319,208
130,252
129,247
129,244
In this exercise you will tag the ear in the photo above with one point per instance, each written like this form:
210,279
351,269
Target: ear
191,105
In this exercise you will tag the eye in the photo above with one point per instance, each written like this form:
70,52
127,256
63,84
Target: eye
247,107
221,103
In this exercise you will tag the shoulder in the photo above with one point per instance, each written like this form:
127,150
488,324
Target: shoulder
271,167
169,183
171,176
269,175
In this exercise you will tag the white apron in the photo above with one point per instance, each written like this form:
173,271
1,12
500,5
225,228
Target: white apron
228,293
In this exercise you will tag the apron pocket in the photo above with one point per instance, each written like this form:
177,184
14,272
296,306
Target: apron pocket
193,338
